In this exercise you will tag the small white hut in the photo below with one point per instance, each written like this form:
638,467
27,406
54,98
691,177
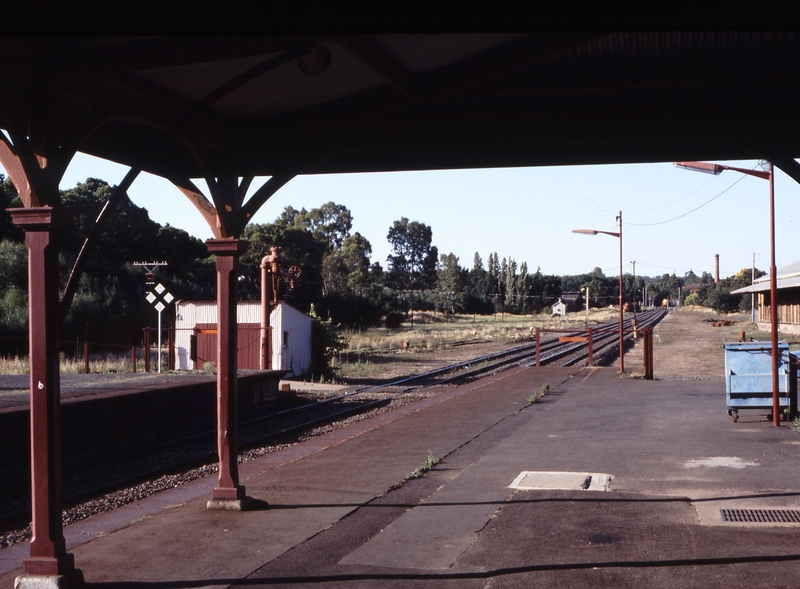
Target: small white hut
560,308
196,335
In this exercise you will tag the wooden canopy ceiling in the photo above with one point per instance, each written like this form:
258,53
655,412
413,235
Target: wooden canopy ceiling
240,105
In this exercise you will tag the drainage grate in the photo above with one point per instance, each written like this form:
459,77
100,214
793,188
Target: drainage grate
765,516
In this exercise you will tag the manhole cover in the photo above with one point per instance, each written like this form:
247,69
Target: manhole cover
529,480
766,516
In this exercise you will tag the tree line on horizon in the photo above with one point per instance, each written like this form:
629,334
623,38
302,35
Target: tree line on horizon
339,281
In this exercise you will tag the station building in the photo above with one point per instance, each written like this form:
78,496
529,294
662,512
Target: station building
788,299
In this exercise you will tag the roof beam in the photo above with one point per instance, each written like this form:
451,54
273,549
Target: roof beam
375,57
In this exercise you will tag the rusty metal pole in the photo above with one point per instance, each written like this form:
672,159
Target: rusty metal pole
647,332
86,357
538,344
591,348
228,494
170,348
621,332
147,349
133,358
265,280
48,555
773,295
270,268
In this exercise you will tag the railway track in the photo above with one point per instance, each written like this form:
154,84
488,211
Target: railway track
96,479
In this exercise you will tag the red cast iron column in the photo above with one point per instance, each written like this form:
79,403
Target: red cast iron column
229,494
48,555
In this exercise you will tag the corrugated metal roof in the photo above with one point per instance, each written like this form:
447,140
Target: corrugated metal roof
788,277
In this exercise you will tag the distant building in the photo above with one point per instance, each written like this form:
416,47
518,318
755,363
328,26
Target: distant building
788,279
559,308
573,300
196,336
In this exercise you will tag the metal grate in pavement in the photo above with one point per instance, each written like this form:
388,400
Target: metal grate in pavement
765,516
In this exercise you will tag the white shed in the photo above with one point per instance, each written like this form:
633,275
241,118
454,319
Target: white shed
560,308
291,340
195,336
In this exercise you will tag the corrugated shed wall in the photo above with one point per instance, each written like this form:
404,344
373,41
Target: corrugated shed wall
190,313
295,327
296,357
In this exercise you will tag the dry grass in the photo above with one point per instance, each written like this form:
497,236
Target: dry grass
432,339
98,364
433,332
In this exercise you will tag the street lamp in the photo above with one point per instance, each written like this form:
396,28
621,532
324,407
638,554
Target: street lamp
614,234
717,169
635,337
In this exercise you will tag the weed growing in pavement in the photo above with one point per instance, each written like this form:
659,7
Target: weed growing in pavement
796,424
542,392
429,463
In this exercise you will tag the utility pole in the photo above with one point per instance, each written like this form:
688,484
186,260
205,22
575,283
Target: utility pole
752,294
150,268
635,334
587,302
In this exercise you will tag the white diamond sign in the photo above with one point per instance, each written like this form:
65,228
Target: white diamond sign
158,301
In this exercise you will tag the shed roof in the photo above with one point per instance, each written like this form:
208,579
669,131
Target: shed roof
788,277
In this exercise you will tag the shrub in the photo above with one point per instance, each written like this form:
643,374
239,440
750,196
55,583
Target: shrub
393,320
326,342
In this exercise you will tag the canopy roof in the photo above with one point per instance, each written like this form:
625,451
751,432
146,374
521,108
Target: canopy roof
240,105
788,277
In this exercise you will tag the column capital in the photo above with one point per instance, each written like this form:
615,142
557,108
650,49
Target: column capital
227,247
39,218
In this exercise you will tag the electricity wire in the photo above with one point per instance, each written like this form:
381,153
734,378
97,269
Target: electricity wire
688,212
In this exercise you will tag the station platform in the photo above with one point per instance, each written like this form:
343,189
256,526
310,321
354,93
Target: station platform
642,470
75,388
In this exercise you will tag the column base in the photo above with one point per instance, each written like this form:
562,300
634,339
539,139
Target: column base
70,580
244,504
228,493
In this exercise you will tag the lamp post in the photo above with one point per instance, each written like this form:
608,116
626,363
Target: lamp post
717,169
619,235
635,335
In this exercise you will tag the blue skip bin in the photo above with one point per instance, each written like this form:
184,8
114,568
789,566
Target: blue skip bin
748,378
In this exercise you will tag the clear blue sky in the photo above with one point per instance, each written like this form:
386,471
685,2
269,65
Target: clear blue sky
528,213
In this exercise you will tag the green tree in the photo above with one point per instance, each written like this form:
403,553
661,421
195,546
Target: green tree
8,199
355,257
330,223
413,263
300,248
452,284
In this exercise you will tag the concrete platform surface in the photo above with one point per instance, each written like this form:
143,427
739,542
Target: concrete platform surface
667,454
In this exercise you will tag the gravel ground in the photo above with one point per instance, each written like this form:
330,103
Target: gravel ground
688,346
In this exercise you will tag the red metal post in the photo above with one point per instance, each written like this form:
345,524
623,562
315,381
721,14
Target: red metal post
48,555
133,358
647,332
170,348
227,251
591,348
773,296
538,345
621,302
147,349
86,357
